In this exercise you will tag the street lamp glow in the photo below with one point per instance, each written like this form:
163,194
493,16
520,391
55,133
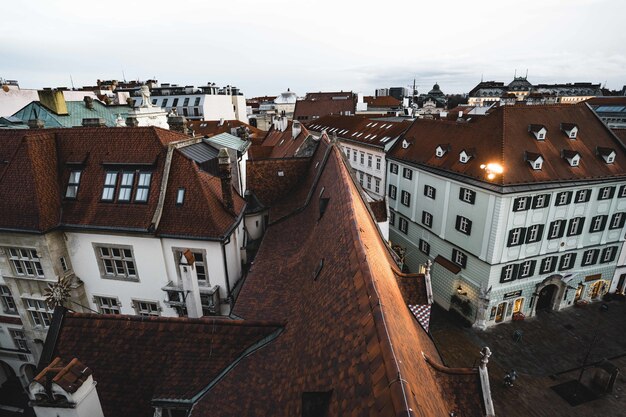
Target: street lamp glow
492,169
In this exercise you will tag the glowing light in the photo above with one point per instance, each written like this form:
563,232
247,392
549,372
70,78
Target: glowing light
492,170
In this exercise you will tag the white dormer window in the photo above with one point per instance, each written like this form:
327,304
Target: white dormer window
570,129
539,131
440,151
610,158
464,157
405,144
607,154
574,160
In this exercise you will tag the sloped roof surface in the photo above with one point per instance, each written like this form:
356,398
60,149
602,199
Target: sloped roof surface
359,129
348,329
77,111
226,140
214,127
321,104
137,359
280,144
503,137
382,101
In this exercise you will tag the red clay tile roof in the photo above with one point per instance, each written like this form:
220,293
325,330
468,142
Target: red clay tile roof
212,128
202,212
282,144
348,328
317,105
33,181
382,101
359,129
69,376
379,208
620,133
503,137
138,359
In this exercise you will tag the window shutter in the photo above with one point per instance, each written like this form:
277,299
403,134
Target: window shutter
461,194
503,278
522,235
434,192
580,226
540,232
510,239
457,226
533,264
594,259
561,228
469,227
604,219
472,197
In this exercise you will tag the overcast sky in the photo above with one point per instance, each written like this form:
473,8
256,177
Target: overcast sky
266,46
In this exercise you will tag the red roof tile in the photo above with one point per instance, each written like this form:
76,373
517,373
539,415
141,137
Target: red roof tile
360,129
138,359
212,128
503,137
382,101
317,105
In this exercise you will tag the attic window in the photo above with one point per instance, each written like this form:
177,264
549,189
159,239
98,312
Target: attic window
405,144
318,269
72,184
440,151
572,157
607,154
180,196
323,205
539,131
570,129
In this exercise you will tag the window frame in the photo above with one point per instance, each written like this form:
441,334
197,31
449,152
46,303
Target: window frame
109,187
424,247
467,196
551,261
558,201
403,225
407,173
107,305
148,311
430,191
393,192
459,258
116,263
73,183
427,219
538,230
598,223
463,225
405,198
8,302
393,168
141,187
29,264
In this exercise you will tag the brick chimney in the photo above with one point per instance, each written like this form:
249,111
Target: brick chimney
226,177
53,100
65,390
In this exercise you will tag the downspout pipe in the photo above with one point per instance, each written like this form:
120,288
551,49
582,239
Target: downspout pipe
228,290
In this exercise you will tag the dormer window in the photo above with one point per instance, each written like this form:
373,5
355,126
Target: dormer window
441,150
535,160
607,154
143,187
110,181
72,184
538,131
464,157
570,129
572,157
405,144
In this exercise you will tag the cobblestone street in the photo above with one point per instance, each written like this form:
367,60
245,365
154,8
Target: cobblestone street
551,351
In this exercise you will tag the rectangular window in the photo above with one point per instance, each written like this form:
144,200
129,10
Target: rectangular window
556,229
63,263
19,339
590,257
429,191
535,233
608,254
378,162
72,184
393,168
143,187
164,104
25,262
186,102
527,269
110,181
617,221
369,160
516,236
563,198
197,102
403,225
361,174
459,258
354,156
126,186
521,203
424,247
406,198
567,261
107,305
210,304
463,225
467,195
392,218
541,201
575,226
175,103
377,185
606,193
392,191
348,153
146,308
39,312
369,182
117,262
548,265
362,158
8,303
427,219
622,192
407,173
582,196
508,273
598,223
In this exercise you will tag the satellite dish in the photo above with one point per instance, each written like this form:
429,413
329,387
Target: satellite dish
5,88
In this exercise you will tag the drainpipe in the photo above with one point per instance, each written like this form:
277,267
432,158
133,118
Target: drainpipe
228,294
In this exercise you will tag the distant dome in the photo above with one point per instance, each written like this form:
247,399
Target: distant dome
288,97
435,91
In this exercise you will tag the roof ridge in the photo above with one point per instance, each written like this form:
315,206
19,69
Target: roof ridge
162,319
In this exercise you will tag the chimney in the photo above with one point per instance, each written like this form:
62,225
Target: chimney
189,277
94,122
221,123
53,100
88,102
296,128
225,175
65,390
178,123
283,123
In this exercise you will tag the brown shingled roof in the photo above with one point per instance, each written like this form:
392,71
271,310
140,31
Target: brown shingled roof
382,101
360,129
215,127
317,105
139,359
502,137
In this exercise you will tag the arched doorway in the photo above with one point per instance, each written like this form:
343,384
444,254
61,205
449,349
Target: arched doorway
546,297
